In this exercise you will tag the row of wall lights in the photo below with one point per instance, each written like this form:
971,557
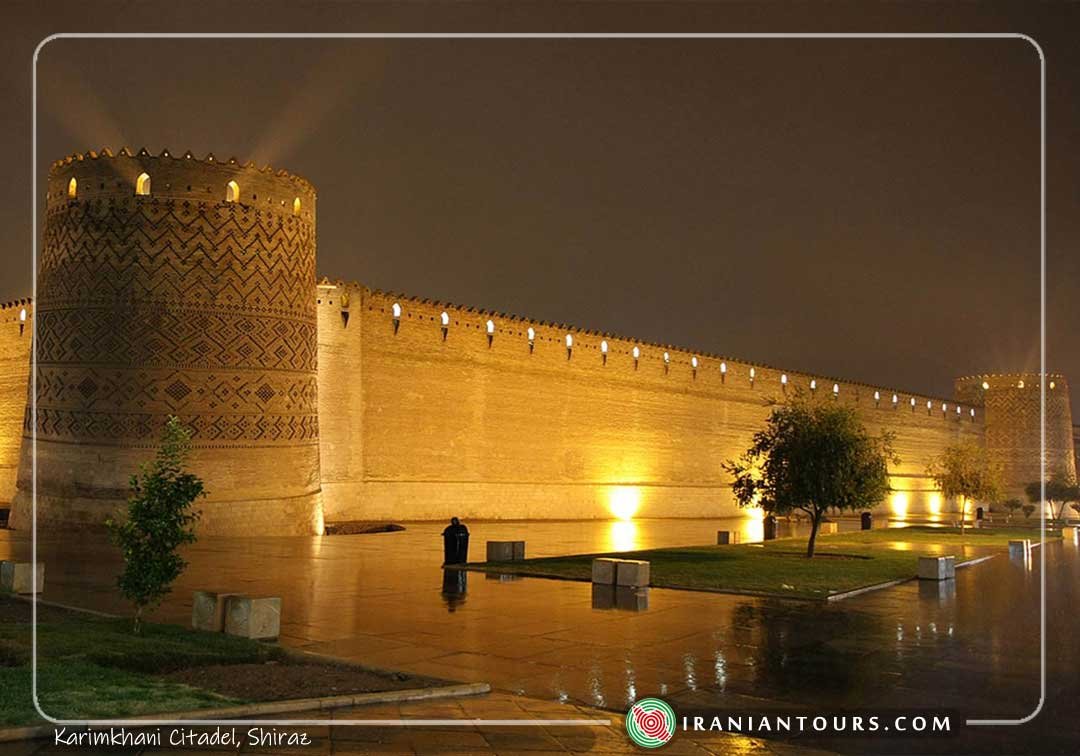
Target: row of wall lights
489,326
142,189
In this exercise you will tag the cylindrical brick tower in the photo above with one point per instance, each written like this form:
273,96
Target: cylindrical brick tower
171,285
1011,410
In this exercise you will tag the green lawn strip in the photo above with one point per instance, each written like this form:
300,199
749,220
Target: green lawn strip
93,667
844,562
83,690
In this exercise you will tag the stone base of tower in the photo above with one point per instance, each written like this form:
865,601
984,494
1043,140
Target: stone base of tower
299,515
250,492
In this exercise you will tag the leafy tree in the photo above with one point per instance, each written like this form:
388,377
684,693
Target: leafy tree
1012,506
1075,508
812,456
964,472
159,520
1061,490
1028,509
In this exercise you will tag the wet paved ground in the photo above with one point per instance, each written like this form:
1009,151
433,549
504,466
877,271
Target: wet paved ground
970,647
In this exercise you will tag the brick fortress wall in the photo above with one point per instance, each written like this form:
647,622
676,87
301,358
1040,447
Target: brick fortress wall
418,426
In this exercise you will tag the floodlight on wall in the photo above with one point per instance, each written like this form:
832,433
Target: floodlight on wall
836,389
877,398
753,375
723,372
142,185
490,326
22,321
569,345
1020,384
667,362
603,351
395,310
73,189
929,406
444,320
912,404
813,384
693,366
1053,385
972,414
986,386
944,409
958,409
531,333
895,401
232,192
637,355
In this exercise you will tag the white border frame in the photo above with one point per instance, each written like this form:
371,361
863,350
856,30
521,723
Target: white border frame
525,35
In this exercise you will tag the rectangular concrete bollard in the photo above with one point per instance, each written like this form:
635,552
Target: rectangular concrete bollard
208,610
255,617
726,537
17,577
1020,548
603,571
632,572
937,568
505,551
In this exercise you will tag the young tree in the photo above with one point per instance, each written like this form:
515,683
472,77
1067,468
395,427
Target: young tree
1012,506
812,456
1061,490
159,520
963,471
1028,510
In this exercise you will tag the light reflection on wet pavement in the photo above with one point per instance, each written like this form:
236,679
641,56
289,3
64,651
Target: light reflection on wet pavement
969,646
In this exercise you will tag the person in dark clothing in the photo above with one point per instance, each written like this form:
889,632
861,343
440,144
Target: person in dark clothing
455,543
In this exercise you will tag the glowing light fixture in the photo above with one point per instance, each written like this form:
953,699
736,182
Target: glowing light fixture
637,353
973,412
753,374
1020,384
783,379
603,347
490,325
667,357
694,362
1053,385
142,185
723,368
895,399
396,309
624,501
232,191
444,318
958,410
22,314
531,333
913,404
899,504
935,503
877,396
836,389
813,384
985,385
569,341
73,188
296,206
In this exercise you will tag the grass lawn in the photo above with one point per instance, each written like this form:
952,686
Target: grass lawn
95,668
843,561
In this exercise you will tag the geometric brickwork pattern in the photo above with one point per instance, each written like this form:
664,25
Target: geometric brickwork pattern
153,306
1012,407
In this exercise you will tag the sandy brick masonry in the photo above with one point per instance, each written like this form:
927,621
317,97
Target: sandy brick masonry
314,400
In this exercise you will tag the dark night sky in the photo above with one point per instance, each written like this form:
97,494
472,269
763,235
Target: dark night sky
867,209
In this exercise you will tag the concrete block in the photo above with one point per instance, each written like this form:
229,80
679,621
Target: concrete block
505,551
1020,548
17,577
208,611
632,572
603,571
631,599
256,617
937,568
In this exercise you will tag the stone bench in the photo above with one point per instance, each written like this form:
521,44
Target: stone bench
937,568
18,577
505,551
208,611
632,573
254,617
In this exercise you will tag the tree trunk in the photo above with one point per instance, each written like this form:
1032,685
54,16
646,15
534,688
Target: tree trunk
138,620
815,522
963,513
